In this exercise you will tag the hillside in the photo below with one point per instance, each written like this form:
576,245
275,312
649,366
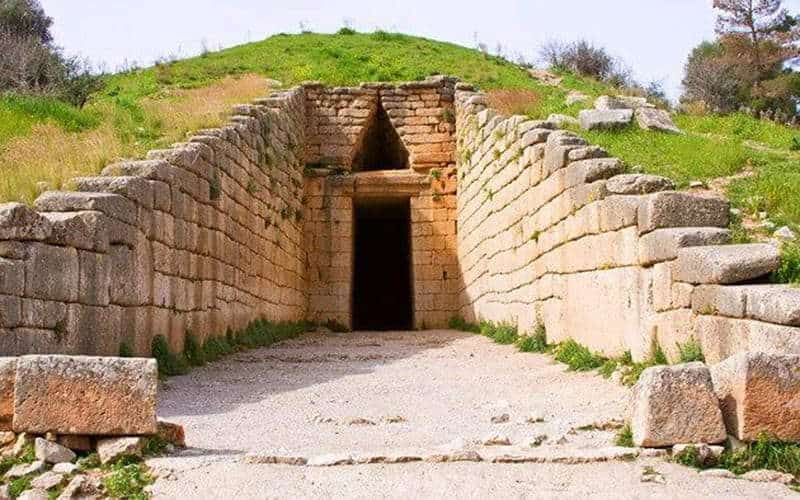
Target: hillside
42,140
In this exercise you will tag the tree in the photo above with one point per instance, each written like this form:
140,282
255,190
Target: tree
759,35
710,79
25,18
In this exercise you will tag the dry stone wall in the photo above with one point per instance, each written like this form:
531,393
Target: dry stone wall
202,237
422,114
552,231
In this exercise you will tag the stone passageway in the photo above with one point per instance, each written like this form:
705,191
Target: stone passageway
398,396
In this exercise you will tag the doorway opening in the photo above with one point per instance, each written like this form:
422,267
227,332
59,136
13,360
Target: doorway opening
382,277
381,147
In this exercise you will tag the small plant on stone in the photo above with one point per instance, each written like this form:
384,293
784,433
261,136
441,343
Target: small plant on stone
214,188
764,453
435,174
624,437
691,351
690,457
252,187
460,324
193,352
127,479
496,153
608,368
169,363
448,116
19,485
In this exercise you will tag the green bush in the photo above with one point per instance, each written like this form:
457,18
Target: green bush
578,357
691,351
460,324
193,351
127,480
764,453
169,364
536,342
624,437
789,272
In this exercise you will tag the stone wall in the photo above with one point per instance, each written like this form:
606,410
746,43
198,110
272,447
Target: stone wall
552,232
421,113
202,237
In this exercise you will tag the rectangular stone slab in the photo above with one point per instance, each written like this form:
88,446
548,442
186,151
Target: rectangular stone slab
85,395
8,368
760,392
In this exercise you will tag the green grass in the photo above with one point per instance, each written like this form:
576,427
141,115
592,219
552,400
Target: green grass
127,479
624,437
789,271
681,157
18,114
739,126
259,333
691,351
578,357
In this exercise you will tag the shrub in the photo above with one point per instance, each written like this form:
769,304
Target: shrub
691,351
169,363
624,437
578,357
460,324
346,31
504,334
193,351
764,453
127,480
789,272
536,342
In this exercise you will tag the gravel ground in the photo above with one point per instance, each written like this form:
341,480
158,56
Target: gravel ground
383,392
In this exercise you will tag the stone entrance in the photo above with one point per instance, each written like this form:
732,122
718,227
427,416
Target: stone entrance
382,280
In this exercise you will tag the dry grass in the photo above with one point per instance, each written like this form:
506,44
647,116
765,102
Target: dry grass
49,156
514,102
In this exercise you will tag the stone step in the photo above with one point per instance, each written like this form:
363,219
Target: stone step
725,264
779,304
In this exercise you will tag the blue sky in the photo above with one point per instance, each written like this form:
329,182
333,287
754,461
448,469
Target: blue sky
652,36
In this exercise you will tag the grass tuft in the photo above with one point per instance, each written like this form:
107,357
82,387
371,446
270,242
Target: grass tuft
536,342
128,480
624,437
578,357
691,351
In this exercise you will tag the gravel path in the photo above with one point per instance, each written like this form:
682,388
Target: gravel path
379,393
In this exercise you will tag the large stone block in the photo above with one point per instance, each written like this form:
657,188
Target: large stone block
8,372
52,273
674,405
12,277
663,244
594,119
606,102
18,222
86,230
656,119
760,393
723,337
638,184
85,395
676,209
725,264
113,205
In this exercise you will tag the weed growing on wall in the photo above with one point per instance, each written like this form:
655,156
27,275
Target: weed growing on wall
578,357
624,437
259,333
691,351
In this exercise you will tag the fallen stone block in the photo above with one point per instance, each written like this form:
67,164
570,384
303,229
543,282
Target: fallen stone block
768,476
52,453
656,119
563,120
605,102
676,209
112,449
19,222
676,404
722,473
85,395
725,264
593,119
47,480
574,97
663,244
759,393
21,470
638,184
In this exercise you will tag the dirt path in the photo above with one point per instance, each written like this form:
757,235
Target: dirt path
405,394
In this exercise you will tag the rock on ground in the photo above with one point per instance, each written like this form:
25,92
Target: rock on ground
759,392
656,119
111,449
676,404
592,119
85,395
52,453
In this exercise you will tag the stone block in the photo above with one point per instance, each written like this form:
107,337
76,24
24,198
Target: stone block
663,244
112,449
588,171
8,372
52,273
605,102
10,311
85,395
759,393
594,119
52,453
19,222
94,278
638,184
86,230
113,205
725,264
674,405
723,337
135,189
676,209
656,119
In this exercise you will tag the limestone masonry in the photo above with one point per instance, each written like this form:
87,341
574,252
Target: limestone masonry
508,219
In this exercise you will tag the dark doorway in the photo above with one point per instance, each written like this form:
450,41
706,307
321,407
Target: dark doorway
381,148
382,271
